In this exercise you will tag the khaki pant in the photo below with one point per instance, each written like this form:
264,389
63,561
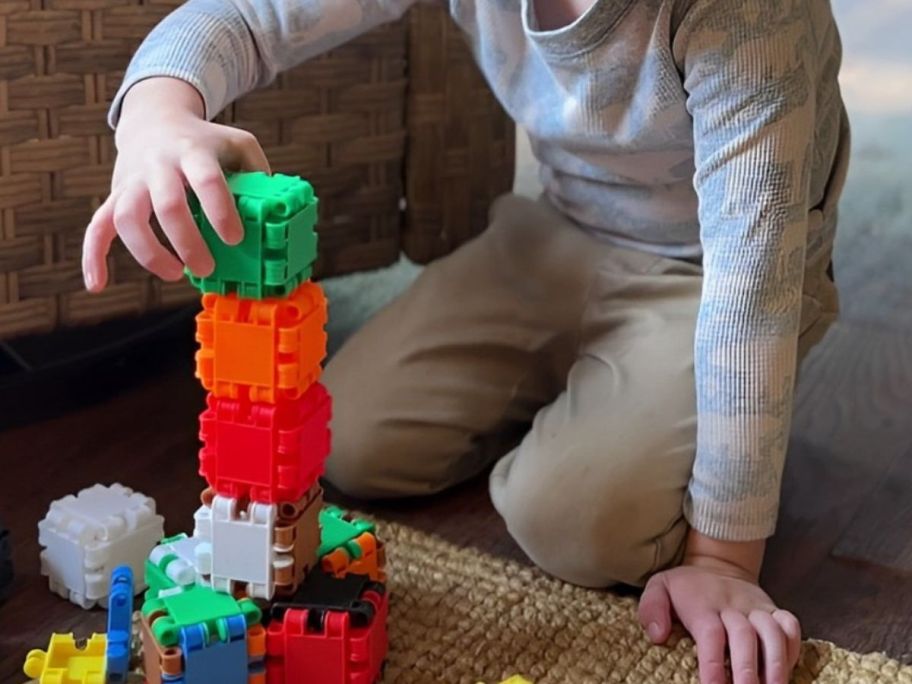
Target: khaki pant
536,322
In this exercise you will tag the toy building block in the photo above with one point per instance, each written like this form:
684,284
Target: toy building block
321,593
256,655
160,663
120,624
222,660
86,536
266,452
235,655
339,530
194,605
173,563
279,246
240,549
369,559
6,563
297,533
66,662
332,632
263,350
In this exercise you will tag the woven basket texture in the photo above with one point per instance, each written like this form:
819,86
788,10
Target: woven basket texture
357,123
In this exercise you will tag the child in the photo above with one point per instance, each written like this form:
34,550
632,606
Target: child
646,316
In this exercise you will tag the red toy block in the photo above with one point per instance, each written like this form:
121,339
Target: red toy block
269,453
329,647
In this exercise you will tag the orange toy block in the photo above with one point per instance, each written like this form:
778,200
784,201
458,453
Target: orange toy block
371,562
264,349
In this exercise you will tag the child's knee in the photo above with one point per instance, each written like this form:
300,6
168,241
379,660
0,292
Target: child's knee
354,467
375,456
368,459
580,552
629,529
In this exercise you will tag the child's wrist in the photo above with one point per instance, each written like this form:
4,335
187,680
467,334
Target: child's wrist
163,96
736,559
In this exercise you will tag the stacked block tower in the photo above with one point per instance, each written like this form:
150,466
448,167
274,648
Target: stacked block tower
271,586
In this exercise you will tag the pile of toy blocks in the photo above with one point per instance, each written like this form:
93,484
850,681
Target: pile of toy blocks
271,586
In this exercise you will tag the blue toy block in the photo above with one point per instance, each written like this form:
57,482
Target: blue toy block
120,619
215,658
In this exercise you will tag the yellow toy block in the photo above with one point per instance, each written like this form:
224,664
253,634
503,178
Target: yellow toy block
65,662
515,679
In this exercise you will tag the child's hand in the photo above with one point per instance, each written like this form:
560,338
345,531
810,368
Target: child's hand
719,604
165,145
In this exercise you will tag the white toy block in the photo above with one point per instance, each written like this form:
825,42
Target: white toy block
240,547
84,537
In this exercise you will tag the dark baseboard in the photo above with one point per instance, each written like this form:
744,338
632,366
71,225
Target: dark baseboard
42,376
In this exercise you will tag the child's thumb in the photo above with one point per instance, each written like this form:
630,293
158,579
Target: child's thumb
655,610
248,152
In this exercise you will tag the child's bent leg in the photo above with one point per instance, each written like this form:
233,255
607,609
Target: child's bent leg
594,493
479,343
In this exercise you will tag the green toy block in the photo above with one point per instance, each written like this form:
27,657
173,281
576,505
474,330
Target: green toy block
339,530
279,248
193,606
171,565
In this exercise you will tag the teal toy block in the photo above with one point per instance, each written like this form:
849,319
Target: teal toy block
279,214
196,605
339,530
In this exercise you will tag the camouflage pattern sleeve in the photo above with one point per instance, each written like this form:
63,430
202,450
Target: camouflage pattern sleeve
225,48
749,76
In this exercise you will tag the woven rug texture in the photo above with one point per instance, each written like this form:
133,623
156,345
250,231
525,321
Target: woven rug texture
459,617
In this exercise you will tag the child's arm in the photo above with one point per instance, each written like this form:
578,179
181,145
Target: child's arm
201,57
752,75
226,48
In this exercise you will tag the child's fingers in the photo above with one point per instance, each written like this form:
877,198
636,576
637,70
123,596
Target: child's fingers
132,210
170,204
655,610
99,235
709,633
250,155
205,177
742,645
776,666
792,629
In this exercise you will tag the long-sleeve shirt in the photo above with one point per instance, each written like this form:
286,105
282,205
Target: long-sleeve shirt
698,129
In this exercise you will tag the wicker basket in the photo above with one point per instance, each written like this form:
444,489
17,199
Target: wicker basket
461,145
375,118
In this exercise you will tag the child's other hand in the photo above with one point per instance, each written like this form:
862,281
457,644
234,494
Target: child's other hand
165,145
719,604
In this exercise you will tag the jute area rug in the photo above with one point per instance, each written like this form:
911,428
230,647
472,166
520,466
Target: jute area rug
459,617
